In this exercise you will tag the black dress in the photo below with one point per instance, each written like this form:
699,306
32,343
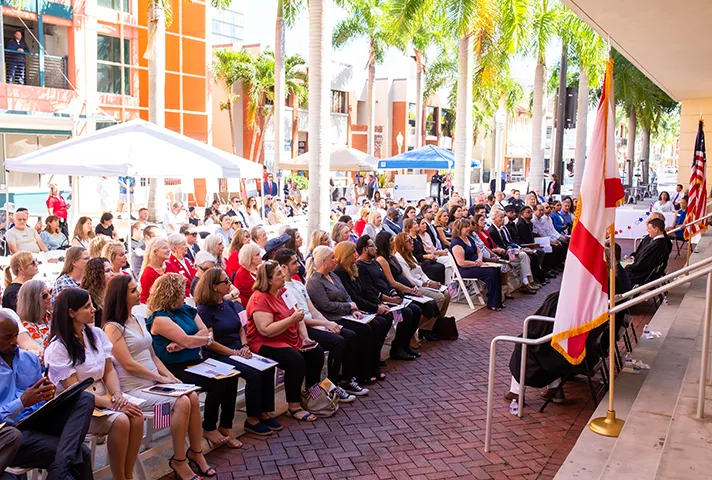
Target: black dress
431,268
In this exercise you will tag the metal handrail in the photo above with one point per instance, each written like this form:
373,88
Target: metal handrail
680,227
700,272
667,277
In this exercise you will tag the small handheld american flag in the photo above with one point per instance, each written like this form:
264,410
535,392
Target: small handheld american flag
162,415
315,391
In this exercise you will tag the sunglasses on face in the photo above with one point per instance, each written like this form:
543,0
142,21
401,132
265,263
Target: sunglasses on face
192,234
225,281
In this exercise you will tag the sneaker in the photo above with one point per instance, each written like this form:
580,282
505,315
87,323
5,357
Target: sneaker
343,396
354,388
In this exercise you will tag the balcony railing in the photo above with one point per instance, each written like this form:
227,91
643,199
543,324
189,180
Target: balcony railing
54,74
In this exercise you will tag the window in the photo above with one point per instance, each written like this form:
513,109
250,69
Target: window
411,118
446,122
114,4
431,124
110,67
338,102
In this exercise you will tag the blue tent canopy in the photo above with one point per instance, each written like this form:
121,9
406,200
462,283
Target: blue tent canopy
428,157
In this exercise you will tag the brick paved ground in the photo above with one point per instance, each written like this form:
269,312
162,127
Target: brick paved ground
427,420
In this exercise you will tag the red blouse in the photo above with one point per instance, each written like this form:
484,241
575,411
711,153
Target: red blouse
232,264
359,225
148,276
58,206
244,281
266,302
487,239
174,265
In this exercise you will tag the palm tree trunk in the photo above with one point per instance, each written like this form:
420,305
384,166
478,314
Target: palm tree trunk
255,132
279,90
265,123
645,153
319,91
157,100
371,99
536,169
632,122
418,103
581,131
229,116
465,122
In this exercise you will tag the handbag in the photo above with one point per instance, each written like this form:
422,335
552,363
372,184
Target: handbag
320,399
446,328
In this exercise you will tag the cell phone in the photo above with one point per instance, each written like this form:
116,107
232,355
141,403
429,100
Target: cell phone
306,348
161,389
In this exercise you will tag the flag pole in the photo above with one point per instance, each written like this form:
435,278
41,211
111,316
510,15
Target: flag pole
610,426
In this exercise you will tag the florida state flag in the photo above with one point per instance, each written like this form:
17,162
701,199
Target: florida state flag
583,299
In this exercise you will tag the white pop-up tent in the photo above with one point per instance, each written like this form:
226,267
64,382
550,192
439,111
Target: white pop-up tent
136,149
342,159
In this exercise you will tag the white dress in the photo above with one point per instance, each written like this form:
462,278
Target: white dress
61,368
664,208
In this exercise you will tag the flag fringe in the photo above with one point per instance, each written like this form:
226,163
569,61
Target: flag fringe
581,329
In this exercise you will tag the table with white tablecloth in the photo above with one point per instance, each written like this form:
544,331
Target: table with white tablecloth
631,223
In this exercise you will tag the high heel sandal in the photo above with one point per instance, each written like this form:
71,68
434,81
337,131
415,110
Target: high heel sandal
210,472
175,472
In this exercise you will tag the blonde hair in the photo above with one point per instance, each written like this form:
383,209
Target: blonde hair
17,261
364,212
314,262
439,215
73,254
167,293
401,246
112,250
153,245
372,216
315,239
97,245
344,256
244,258
210,246
238,239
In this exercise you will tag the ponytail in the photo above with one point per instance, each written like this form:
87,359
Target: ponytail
318,256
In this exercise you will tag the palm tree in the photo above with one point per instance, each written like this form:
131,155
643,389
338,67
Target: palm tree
590,53
287,11
319,92
366,20
225,69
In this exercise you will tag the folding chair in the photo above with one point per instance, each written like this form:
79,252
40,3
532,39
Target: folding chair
679,244
463,283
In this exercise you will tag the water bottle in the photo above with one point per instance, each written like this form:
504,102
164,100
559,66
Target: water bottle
646,330
514,407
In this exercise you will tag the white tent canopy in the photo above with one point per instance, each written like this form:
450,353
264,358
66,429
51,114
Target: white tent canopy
343,159
137,149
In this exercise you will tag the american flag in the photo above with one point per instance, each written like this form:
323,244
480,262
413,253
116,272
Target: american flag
697,204
162,415
315,391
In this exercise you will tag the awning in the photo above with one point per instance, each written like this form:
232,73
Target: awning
428,157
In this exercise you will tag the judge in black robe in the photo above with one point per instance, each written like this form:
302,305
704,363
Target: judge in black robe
653,255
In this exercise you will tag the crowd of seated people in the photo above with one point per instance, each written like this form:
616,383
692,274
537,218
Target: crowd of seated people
237,292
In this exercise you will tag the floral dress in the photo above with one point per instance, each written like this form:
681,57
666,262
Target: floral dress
39,331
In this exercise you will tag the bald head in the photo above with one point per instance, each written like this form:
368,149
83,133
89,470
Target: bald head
8,334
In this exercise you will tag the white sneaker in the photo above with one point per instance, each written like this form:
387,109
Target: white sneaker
343,396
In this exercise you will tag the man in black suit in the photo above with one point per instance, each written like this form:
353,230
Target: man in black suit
191,236
653,255
502,238
371,186
428,213
525,230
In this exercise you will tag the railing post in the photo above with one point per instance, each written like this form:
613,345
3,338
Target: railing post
705,351
40,39
490,393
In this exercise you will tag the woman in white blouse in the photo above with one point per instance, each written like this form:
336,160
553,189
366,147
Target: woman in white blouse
664,204
253,213
428,288
78,351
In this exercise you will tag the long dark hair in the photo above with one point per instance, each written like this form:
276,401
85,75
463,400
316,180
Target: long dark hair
115,308
383,244
451,214
292,243
62,328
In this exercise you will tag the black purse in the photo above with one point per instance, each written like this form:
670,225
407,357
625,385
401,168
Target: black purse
446,328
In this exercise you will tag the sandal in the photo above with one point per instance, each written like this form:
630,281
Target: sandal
231,442
212,445
306,417
175,472
380,376
209,472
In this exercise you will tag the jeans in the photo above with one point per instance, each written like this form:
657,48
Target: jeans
298,367
220,399
16,71
59,447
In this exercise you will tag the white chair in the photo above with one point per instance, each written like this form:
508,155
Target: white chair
32,474
463,283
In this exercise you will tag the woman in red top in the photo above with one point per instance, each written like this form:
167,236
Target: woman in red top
486,237
246,275
178,262
239,240
57,206
362,221
275,331
154,265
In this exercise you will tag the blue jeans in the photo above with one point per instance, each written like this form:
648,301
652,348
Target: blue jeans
16,70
